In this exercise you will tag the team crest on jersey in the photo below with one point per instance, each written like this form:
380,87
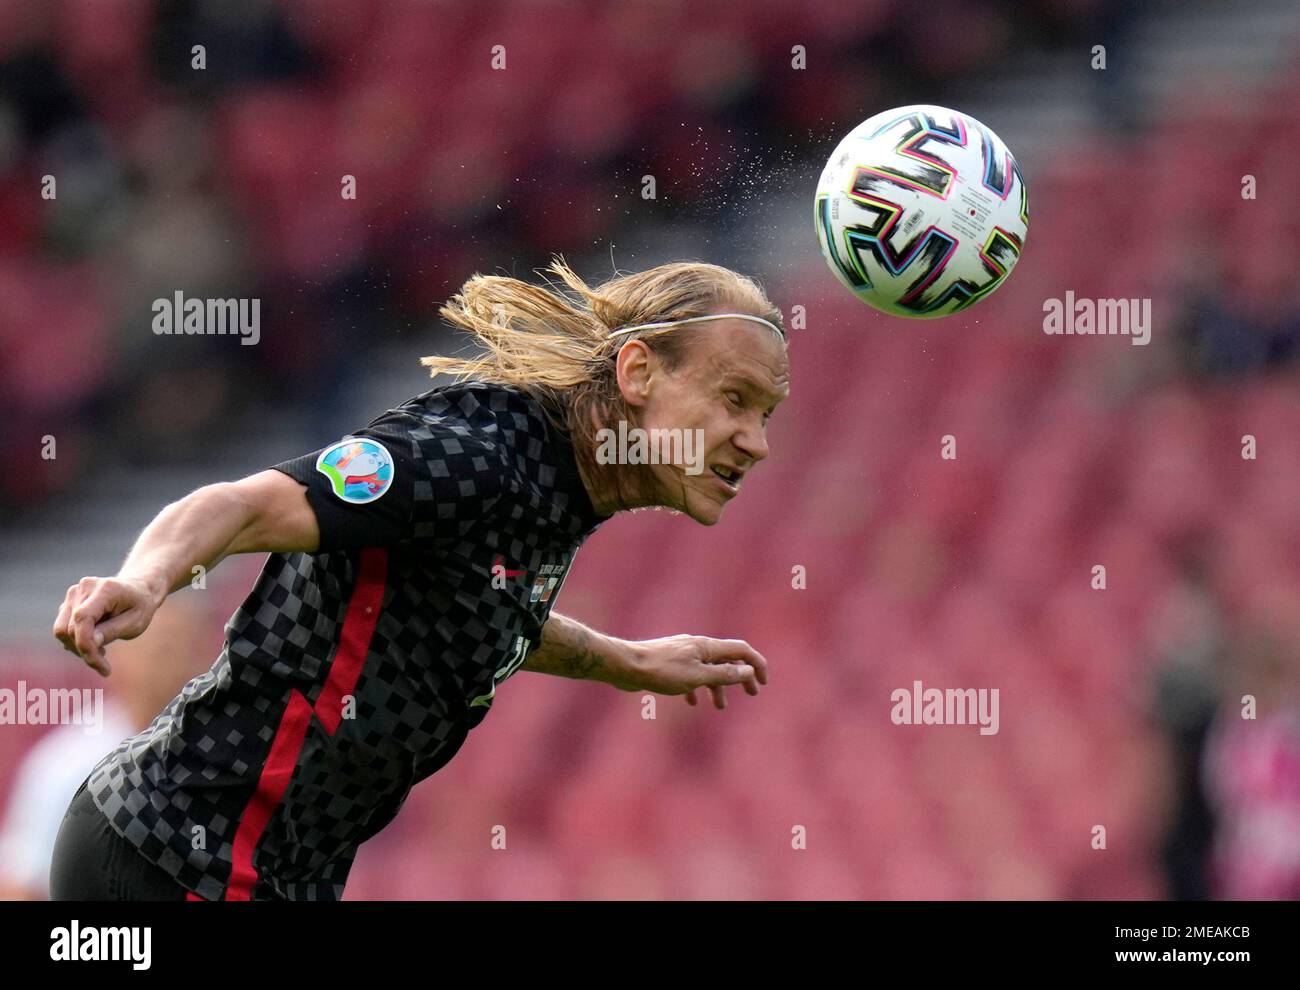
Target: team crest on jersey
360,470
544,586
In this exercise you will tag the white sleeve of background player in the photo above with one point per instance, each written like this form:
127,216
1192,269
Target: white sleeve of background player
46,782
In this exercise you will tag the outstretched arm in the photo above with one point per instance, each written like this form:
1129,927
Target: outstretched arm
264,512
672,665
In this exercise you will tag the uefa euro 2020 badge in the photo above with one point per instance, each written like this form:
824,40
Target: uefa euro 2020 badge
359,470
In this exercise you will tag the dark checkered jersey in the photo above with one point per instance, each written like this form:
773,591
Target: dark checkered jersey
447,527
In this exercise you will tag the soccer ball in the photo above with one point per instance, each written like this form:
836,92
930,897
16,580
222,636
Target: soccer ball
921,211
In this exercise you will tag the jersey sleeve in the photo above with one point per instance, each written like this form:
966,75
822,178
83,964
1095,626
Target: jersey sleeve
397,479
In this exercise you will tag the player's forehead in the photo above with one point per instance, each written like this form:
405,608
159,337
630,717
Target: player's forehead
744,352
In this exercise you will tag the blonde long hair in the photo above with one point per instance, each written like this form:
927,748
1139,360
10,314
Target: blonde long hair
555,344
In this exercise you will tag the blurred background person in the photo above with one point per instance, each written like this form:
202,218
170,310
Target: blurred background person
1252,765
177,645
1188,638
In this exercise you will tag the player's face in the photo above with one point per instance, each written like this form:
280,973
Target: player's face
722,395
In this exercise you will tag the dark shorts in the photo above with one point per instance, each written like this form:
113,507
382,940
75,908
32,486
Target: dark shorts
92,862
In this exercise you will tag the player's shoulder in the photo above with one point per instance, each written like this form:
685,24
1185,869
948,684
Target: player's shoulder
482,415
482,437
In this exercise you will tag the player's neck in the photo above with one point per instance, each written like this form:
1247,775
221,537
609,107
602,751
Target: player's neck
616,487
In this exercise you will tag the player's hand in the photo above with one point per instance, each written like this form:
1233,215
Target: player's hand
685,664
96,611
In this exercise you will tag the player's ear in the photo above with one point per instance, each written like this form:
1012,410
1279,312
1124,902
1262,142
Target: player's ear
636,367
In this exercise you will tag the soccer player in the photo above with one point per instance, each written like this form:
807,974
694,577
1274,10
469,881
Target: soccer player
413,568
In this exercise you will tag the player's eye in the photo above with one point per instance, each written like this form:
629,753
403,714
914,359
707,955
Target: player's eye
734,399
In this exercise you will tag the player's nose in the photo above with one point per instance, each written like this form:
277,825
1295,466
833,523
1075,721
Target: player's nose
752,443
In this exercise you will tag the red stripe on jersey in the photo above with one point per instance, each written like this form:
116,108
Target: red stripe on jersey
349,658
191,896
354,642
271,786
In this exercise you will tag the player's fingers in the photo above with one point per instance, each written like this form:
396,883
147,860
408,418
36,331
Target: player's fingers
690,697
92,653
85,617
62,621
127,625
83,629
759,663
719,698
720,674
88,646
98,662
736,650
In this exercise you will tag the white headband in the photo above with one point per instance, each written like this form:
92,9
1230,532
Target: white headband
698,319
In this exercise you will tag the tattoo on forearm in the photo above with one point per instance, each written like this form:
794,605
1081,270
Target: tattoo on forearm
573,656
581,660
